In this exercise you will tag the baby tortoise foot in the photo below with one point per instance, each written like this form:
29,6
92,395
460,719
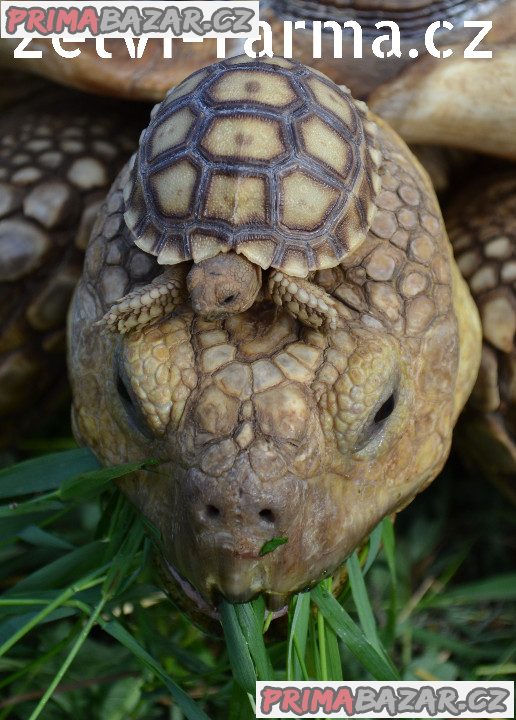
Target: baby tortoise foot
308,303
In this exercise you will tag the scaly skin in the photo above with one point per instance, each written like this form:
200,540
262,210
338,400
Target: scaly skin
267,428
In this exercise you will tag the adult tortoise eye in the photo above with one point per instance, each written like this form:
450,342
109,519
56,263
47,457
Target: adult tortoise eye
385,410
132,411
374,426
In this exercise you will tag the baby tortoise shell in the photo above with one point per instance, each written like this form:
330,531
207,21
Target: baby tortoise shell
269,159
263,158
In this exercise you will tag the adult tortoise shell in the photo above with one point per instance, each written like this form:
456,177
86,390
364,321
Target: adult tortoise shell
250,165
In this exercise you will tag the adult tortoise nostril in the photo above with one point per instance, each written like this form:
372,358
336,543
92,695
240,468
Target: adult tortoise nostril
212,512
267,515
309,421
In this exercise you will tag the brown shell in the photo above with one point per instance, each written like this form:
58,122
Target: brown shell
263,157
59,153
481,223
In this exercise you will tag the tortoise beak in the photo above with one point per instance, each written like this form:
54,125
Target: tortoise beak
224,526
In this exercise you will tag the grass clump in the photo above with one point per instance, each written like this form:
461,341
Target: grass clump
86,632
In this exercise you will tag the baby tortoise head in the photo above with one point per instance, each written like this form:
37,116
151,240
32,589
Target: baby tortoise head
266,428
223,178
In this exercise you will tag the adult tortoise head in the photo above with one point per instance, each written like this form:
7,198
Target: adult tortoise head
267,427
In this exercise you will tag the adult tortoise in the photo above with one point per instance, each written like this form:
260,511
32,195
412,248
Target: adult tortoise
442,101
265,426
453,101
481,221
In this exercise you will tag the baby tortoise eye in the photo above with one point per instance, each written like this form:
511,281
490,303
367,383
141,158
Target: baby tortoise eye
229,299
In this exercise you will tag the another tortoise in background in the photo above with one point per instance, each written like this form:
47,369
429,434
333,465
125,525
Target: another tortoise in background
265,427
444,101
481,222
59,153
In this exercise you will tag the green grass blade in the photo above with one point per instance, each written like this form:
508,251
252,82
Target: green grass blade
321,636
334,663
65,570
123,560
15,623
34,535
44,503
389,548
10,528
250,618
31,667
240,707
88,485
361,598
313,660
389,545
496,589
491,671
375,662
69,659
375,542
45,473
464,649
187,705
47,610
298,632
238,649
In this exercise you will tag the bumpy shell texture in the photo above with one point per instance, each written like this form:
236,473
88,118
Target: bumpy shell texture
267,158
482,227
58,155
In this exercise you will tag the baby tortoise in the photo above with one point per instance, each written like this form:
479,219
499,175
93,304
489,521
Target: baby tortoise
224,178
265,427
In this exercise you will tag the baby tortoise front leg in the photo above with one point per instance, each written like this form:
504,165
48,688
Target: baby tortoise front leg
307,302
148,303
219,286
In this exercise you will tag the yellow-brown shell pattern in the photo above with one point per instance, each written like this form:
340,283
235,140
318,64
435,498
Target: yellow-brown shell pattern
264,157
